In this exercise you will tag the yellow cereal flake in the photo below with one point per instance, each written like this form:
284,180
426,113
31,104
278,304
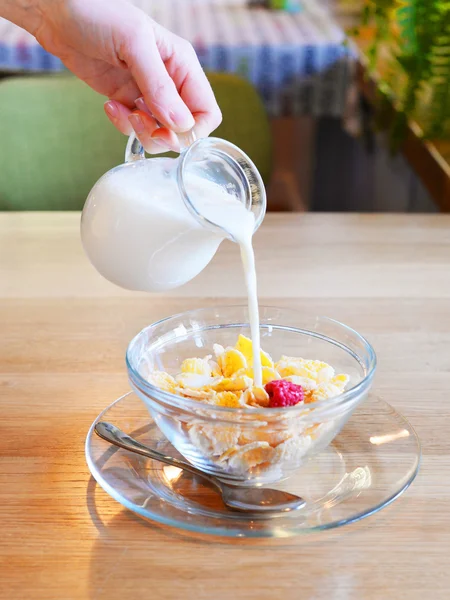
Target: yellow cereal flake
162,380
197,394
324,391
231,361
319,370
261,396
293,359
287,367
218,350
306,383
250,455
268,374
193,380
215,369
233,384
256,396
248,399
315,365
315,370
340,381
245,345
228,399
291,368
292,450
223,457
221,438
309,397
199,366
312,430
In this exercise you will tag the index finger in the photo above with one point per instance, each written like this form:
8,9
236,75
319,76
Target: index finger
185,69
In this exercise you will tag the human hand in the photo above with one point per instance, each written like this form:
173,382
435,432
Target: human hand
120,52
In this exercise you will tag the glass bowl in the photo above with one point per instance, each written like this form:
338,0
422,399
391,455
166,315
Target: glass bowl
249,446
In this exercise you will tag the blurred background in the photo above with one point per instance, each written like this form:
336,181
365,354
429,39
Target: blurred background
344,105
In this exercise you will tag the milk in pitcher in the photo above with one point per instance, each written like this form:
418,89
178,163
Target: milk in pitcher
141,234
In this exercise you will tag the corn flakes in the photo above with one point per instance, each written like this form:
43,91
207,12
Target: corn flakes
245,345
199,366
231,361
227,380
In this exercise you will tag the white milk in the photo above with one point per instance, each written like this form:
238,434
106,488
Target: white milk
248,262
228,212
139,234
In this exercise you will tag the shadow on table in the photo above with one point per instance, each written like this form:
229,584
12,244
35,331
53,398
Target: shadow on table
130,550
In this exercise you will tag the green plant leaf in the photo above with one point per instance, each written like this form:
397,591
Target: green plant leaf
416,34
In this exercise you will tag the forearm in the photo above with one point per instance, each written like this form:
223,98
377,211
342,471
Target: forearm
27,14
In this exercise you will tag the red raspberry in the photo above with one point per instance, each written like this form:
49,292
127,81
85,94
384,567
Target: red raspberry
284,393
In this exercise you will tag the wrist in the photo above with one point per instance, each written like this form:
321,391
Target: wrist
27,14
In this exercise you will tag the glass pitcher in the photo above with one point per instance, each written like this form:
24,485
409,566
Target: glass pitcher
144,225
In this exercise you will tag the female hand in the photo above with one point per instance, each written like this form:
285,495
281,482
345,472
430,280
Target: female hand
120,52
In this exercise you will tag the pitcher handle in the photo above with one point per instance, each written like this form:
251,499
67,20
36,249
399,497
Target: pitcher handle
135,150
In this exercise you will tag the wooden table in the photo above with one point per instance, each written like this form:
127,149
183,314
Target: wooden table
63,333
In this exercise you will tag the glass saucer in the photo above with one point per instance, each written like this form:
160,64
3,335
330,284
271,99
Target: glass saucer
368,465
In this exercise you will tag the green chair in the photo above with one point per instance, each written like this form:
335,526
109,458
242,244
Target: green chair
55,141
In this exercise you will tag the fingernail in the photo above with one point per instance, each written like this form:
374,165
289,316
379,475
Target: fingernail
140,104
137,123
182,121
111,110
159,141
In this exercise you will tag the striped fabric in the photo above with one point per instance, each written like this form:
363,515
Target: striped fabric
297,61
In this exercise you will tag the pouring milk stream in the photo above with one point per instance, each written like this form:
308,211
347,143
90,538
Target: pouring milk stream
154,224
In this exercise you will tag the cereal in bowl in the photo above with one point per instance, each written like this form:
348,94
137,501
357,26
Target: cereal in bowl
225,379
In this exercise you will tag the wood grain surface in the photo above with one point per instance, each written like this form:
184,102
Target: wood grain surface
63,334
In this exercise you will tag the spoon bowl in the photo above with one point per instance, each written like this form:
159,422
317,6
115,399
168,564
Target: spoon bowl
259,499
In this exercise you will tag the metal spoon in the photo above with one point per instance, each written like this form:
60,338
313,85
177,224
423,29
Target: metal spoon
257,500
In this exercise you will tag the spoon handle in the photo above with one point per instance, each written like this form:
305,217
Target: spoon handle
116,436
